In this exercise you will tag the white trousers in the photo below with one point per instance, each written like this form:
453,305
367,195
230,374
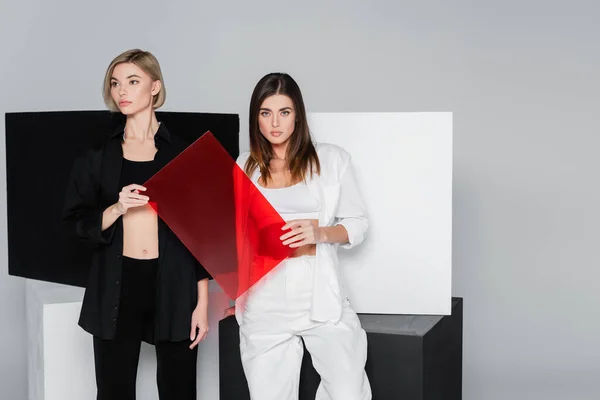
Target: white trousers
276,319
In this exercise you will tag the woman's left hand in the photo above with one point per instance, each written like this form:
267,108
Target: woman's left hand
199,325
303,232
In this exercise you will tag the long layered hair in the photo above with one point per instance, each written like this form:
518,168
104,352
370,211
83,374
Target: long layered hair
301,155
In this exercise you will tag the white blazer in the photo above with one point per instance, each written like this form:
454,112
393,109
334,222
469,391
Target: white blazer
340,203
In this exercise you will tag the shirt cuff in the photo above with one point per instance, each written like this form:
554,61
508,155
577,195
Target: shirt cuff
356,228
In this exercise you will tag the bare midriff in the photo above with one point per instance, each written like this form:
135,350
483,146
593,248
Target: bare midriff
140,233
306,250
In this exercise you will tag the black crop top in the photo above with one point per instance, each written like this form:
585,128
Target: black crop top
136,172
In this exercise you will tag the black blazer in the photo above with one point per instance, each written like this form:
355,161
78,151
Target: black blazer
93,187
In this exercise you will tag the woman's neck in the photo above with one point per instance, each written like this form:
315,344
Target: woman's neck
141,126
279,151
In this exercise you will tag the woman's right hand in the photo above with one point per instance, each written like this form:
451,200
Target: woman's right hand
130,197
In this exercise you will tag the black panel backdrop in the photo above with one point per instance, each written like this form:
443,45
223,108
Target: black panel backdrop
40,150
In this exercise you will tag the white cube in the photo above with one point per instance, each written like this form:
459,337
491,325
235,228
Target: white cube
60,353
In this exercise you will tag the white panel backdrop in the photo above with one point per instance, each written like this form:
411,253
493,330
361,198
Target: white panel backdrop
403,165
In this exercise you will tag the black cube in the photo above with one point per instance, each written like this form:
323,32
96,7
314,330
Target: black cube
410,357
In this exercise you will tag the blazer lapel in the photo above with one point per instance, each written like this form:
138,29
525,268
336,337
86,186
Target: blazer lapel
163,157
111,170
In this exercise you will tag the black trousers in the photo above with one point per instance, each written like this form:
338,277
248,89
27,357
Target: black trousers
116,369
116,360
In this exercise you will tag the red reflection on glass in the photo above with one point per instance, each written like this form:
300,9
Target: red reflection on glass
220,216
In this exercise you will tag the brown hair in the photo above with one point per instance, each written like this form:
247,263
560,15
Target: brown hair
147,63
301,153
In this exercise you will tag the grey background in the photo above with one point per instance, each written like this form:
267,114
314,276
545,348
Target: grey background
520,76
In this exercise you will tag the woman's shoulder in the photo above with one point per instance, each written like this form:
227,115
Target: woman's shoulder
242,158
92,153
331,152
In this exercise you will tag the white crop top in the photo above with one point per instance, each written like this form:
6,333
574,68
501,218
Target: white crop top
292,202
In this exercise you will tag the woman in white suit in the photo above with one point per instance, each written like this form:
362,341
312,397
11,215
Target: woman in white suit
312,188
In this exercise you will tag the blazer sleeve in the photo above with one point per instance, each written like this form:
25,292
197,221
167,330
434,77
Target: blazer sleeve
82,211
201,272
351,211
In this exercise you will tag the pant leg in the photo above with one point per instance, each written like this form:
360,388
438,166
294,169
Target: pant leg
272,372
339,354
176,370
116,363
271,351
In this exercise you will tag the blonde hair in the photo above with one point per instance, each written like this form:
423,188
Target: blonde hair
147,63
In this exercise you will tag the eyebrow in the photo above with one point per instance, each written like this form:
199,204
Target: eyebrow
129,77
281,109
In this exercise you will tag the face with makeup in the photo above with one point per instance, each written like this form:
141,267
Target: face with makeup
132,89
276,119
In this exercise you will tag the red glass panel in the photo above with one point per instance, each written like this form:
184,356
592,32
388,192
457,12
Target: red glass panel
220,216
